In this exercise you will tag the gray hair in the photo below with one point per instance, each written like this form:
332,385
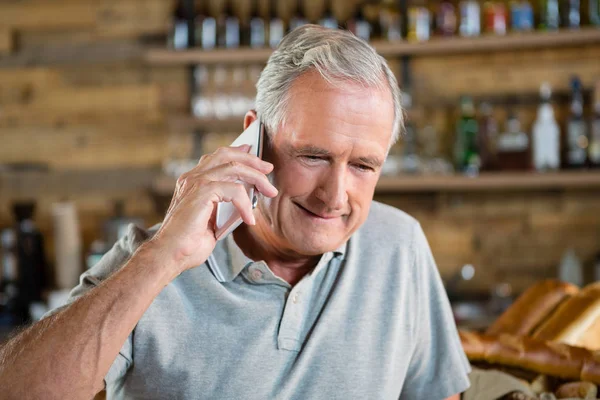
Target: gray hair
337,55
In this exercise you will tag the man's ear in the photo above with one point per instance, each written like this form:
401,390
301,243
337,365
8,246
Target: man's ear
249,118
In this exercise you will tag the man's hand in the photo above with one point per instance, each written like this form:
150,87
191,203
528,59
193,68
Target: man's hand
187,234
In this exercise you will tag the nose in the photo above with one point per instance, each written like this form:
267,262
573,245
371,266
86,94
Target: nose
332,190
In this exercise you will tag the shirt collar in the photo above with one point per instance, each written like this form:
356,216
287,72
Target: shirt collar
228,260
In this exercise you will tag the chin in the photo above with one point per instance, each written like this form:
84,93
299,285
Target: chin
313,243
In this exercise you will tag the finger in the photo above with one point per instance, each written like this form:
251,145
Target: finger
224,155
235,171
236,194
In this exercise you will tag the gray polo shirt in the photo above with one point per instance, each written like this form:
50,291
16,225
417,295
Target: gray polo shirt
371,321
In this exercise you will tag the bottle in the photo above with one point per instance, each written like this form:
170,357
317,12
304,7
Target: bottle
594,148
571,14
521,16
390,21
549,17
328,20
9,277
276,28
31,259
546,134
513,146
577,139
570,269
206,31
418,23
410,162
359,25
494,17
594,12
487,137
257,28
466,153
470,19
299,17
67,245
446,18
228,28
178,36
596,268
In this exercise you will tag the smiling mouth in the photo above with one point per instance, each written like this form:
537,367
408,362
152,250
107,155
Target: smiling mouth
312,214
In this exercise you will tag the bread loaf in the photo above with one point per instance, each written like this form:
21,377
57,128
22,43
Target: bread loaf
532,307
580,390
551,358
576,321
475,345
591,368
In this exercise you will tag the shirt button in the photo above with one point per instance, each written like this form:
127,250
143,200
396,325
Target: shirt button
256,274
296,298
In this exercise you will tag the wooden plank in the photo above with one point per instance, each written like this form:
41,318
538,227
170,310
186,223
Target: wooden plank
42,14
82,53
67,183
6,41
119,18
481,75
18,86
108,101
87,146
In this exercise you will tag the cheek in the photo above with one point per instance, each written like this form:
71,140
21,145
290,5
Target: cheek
295,180
360,193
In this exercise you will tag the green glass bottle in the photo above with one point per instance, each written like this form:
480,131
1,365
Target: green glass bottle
466,152
549,15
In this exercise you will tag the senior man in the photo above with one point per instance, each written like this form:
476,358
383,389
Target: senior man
321,294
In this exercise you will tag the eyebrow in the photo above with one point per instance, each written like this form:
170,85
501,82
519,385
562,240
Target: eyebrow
371,161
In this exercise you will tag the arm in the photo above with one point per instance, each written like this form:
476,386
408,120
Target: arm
68,354
455,397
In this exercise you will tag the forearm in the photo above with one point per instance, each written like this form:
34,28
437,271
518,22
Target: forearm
68,354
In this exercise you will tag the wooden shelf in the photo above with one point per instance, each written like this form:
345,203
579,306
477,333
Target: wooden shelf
487,182
65,183
437,46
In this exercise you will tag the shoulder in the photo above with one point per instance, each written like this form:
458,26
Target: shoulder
120,252
388,226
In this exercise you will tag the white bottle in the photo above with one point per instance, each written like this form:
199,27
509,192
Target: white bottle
546,135
570,269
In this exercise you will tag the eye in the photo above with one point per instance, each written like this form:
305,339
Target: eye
363,168
311,158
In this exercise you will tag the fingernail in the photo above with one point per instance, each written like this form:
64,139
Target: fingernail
245,147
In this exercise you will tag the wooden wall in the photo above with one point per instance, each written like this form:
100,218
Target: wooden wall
75,94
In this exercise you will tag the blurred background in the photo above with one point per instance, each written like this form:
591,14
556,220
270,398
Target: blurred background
104,103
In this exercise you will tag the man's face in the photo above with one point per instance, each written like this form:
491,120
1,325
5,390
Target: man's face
327,160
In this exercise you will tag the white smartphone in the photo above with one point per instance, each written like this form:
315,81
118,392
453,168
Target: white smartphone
228,217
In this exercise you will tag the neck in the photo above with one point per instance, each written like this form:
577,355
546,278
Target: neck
259,243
